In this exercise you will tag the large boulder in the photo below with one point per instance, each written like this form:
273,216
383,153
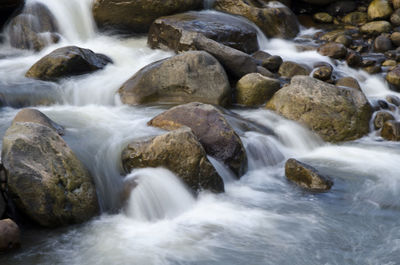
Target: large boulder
211,128
190,76
255,89
273,18
45,179
9,235
335,113
67,61
178,151
306,176
33,29
8,8
235,62
176,32
137,16
379,9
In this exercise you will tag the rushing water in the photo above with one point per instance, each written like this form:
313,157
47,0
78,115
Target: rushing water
261,219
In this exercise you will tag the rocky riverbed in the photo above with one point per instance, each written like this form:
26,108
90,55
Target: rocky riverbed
199,132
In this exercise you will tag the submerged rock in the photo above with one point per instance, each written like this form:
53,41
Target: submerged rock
178,31
137,16
9,235
45,179
306,176
255,89
190,76
178,151
274,19
335,113
34,29
211,128
67,61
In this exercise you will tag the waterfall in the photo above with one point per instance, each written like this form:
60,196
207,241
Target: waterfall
157,194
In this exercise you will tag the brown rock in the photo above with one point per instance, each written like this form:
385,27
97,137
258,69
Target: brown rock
255,89
333,50
211,128
9,235
306,176
381,117
289,69
178,151
391,131
348,81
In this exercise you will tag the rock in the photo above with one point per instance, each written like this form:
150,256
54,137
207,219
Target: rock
274,19
348,81
306,176
65,62
333,50
137,16
376,27
393,100
178,151
9,235
323,73
389,63
381,117
255,89
379,9
46,181
265,72
333,35
211,128
395,38
270,62
289,69
395,18
190,76
373,69
391,131
341,7
34,29
344,40
178,31
273,63
393,77
235,62
383,43
35,116
383,104
353,58
396,4
322,17
337,114
355,18
8,8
